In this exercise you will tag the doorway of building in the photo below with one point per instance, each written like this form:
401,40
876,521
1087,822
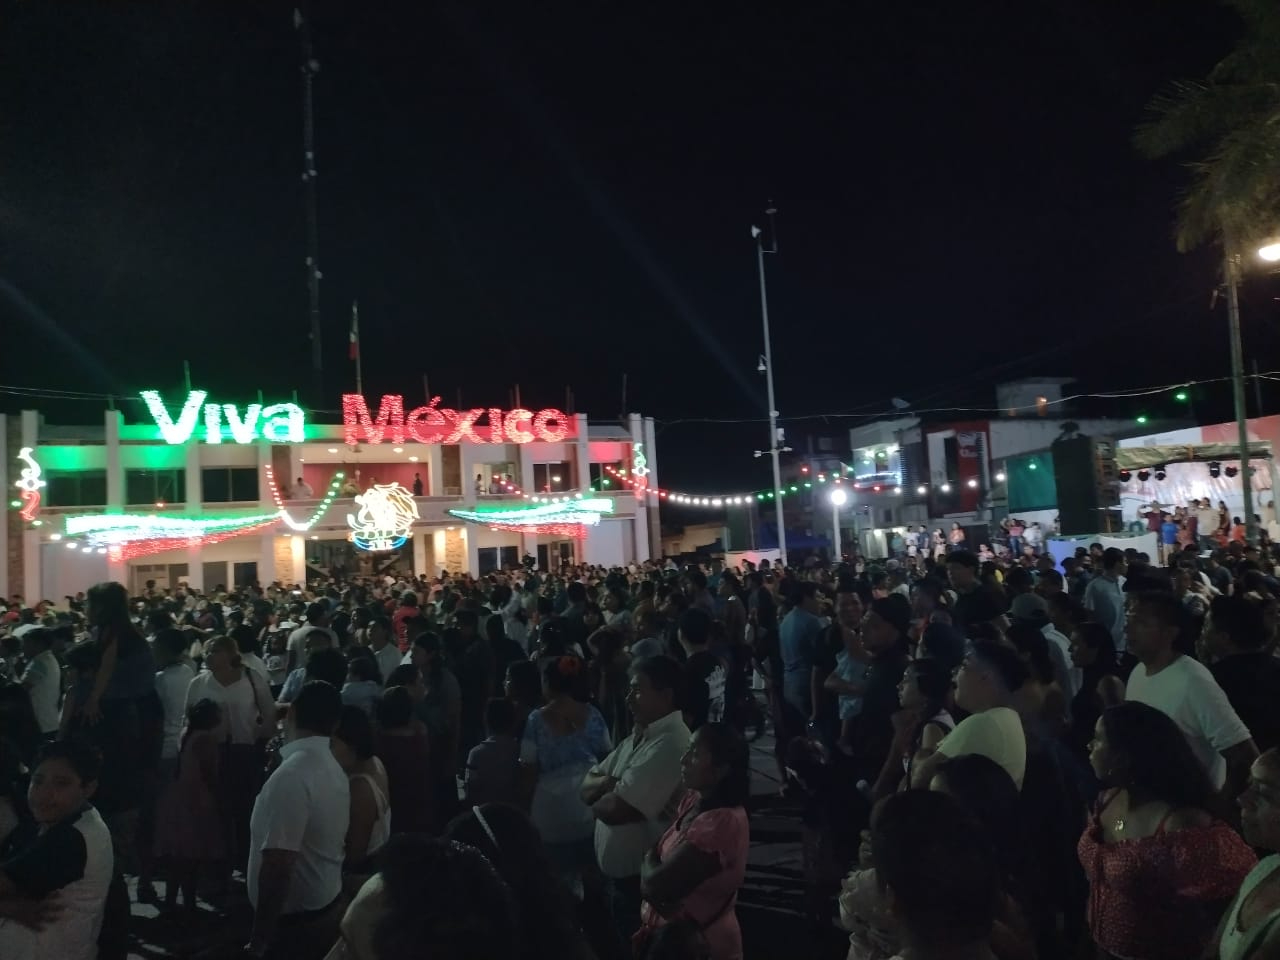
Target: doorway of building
556,554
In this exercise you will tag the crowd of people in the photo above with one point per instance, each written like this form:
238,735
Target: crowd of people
1011,757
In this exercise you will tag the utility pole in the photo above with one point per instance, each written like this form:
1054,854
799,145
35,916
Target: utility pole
1232,267
310,67
775,441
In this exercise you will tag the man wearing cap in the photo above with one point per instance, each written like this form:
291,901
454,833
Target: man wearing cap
1033,609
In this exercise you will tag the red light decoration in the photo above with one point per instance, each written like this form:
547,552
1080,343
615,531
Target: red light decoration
144,548
29,485
575,530
435,424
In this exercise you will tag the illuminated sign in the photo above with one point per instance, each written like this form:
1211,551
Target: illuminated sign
30,484
435,424
276,423
387,512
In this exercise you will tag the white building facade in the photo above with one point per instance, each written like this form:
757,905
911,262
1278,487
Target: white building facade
216,494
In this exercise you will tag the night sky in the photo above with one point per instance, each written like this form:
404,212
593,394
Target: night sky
556,195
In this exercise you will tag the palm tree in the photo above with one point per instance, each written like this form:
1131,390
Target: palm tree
1231,120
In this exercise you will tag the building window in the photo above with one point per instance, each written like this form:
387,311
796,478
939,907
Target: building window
552,477
155,486
229,484
602,479
83,488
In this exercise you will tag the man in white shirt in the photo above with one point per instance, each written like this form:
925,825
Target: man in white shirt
298,834
385,652
1034,537
1104,596
989,677
43,679
302,490
1206,524
633,791
317,619
1183,688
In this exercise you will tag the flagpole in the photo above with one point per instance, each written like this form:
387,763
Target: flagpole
355,344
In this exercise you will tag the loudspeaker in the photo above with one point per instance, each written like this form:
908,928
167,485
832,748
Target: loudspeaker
1084,471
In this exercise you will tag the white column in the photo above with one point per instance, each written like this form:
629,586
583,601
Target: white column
194,507
32,589
115,472
466,466
655,527
420,552
473,550
524,479
435,470
582,455
645,504
299,545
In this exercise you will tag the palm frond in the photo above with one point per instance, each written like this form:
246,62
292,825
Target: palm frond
1232,121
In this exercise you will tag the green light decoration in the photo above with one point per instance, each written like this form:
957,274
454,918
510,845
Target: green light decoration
568,516
1181,396
639,462
125,527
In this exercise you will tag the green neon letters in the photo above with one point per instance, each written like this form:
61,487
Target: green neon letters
276,423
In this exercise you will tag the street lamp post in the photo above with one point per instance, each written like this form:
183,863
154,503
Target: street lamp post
838,498
774,440
1232,265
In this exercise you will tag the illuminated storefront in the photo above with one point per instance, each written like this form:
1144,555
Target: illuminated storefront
195,489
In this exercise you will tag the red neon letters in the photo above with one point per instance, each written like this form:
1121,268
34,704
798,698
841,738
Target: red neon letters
435,424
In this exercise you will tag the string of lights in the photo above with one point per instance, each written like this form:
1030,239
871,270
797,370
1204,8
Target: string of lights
302,526
867,411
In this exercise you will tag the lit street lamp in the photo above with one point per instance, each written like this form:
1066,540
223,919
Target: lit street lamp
766,366
838,499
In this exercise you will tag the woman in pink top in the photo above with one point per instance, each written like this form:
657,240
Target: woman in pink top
695,871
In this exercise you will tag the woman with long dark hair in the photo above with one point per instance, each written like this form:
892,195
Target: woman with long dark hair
1093,652
1160,867
697,868
122,714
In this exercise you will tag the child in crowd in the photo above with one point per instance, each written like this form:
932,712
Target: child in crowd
492,766
189,828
